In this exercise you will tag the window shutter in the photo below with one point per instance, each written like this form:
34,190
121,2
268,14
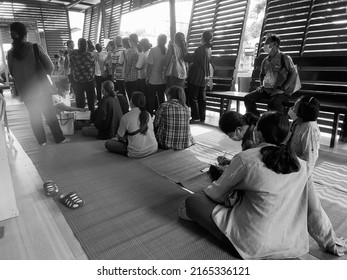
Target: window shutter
288,19
327,29
50,17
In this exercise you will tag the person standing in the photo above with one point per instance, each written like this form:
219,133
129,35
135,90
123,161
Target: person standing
99,57
174,65
277,78
67,65
131,57
198,73
155,77
141,65
118,65
34,90
83,70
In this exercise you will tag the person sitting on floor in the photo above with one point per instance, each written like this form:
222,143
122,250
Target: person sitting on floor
61,97
238,127
171,123
305,137
135,137
248,207
107,116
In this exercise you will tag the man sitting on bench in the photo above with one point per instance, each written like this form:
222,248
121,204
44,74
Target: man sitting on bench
277,78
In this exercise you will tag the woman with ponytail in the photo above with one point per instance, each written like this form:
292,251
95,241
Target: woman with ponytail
107,116
135,136
174,65
264,206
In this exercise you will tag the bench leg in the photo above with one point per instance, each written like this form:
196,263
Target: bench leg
334,131
221,110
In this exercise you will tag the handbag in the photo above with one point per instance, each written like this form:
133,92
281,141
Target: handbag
283,75
40,69
169,68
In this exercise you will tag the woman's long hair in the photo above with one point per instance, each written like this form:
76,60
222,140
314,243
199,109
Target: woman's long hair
18,32
108,86
229,121
138,99
280,158
181,43
176,92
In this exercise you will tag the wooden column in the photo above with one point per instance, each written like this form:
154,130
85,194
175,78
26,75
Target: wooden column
172,20
103,18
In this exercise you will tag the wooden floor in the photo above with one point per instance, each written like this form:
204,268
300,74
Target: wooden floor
40,231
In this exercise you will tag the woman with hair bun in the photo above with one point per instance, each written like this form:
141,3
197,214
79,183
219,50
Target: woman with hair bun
135,136
305,138
107,116
264,206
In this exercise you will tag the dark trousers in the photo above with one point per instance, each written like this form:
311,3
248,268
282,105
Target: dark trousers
119,85
197,101
98,84
88,88
155,96
174,81
130,87
37,107
72,83
275,102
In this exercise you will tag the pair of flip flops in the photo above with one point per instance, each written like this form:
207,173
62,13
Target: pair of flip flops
70,200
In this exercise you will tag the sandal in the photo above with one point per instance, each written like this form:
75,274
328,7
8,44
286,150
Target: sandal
72,200
51,188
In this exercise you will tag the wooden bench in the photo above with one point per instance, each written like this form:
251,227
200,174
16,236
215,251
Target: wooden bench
322,77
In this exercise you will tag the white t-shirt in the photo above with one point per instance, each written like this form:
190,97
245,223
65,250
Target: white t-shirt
139,145
58,99
99,62
156,59
142,64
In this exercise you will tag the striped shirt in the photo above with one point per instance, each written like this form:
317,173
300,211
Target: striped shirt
199,70
171,125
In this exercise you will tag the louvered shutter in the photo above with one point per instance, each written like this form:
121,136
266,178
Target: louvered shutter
327,29
225,18
50,17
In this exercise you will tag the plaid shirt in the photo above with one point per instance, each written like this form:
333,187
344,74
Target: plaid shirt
131,57
82,66
171,125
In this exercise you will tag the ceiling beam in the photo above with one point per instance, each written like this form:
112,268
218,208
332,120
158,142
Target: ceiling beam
73,4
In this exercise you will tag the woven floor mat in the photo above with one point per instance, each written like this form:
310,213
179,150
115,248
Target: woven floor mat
130,211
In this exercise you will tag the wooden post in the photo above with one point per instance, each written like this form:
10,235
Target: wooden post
172,20
237,63
103,18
